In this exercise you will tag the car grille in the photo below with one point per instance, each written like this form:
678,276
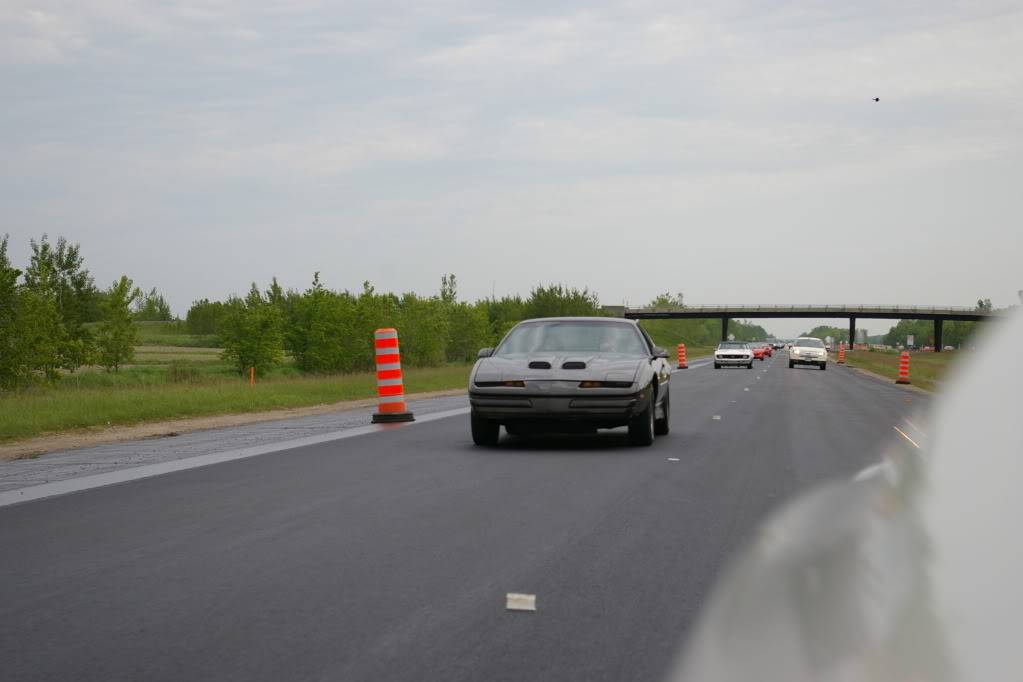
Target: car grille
732,356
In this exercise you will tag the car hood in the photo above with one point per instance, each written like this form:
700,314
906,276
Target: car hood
598,367
730,351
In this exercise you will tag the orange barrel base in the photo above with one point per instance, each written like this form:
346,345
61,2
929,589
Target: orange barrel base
392,417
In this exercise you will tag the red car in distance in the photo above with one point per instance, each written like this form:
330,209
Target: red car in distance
760,351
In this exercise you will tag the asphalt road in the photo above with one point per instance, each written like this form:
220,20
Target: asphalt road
387,556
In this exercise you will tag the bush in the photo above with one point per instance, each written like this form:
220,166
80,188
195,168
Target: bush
252,333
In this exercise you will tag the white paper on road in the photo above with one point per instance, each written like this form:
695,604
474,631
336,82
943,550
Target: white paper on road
673,459
716,416
746,389
520,602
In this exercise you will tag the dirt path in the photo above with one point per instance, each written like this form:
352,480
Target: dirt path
80,438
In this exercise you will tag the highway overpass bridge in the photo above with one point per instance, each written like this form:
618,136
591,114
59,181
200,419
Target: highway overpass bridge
851,312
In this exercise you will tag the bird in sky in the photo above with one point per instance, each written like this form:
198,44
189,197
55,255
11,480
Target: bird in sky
877,99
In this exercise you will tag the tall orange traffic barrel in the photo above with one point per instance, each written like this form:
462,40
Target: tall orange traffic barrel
390,388
903,368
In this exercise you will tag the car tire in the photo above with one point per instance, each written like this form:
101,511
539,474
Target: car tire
641,427
824,365
485,432
791,364
717,365
750,365
663,425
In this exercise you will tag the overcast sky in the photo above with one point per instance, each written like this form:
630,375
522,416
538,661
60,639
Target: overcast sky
730,150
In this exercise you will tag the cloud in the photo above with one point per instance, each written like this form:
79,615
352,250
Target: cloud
553,122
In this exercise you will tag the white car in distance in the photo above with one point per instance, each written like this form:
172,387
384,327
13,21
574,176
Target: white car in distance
733,354
807,350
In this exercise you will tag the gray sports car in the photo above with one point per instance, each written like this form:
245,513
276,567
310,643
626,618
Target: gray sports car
571,375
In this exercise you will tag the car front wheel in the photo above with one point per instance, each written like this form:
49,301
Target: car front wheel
791,364
484,431
717,365
824,365
641,428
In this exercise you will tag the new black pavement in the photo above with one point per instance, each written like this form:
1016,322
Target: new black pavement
388,556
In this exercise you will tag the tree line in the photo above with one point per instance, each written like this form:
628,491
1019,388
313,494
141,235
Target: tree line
54,319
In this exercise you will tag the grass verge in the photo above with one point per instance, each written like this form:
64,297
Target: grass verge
53,410
926,370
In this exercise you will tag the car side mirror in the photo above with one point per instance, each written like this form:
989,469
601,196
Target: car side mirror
485,353
660,352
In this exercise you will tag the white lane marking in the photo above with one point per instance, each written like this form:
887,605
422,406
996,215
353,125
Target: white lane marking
717,416
520,602
38,492
746,389
903,434
673,459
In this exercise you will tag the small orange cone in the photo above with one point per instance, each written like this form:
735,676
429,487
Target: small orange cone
841,353
682,364
903,368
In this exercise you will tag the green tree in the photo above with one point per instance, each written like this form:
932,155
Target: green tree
468,331
422,326
252,333
58,272
10,360
117,333
557,301
320,330
204,317
153,307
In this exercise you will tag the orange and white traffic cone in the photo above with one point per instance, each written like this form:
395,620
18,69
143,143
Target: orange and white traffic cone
682,364
903,368
841,353
390,389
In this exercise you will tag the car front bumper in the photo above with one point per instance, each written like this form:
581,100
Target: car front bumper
600,410
808,359
744,360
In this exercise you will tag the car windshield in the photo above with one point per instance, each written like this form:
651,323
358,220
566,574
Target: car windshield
810,343
732,345
574,337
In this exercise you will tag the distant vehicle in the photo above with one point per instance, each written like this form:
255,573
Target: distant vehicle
949,348
733,354
777,345
768,348
570,375
759,352
807,350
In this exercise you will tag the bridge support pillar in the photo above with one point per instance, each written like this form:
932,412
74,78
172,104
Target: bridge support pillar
938,323
852,332
724,328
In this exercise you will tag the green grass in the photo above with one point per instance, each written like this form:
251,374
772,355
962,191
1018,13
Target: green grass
926,370
147,396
